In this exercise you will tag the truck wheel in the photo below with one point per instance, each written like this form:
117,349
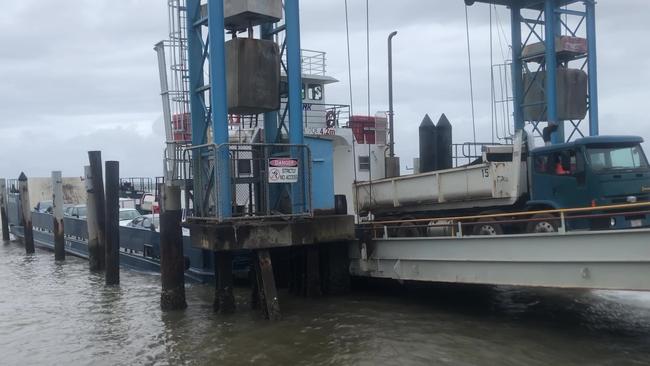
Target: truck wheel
408,230
487,227
543,223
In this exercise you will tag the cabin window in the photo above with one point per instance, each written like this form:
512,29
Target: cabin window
303,92
364,163
557,163
541,164
315,92
608,158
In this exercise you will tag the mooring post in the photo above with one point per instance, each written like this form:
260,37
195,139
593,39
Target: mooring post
172,261
57,218
3,210
28,230
313,272
335,268
96,195
95,252
224,299
268,294
112,228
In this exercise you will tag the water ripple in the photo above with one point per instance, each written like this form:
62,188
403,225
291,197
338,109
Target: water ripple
60,313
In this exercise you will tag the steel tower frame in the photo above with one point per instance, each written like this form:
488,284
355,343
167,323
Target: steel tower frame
546,24
208,89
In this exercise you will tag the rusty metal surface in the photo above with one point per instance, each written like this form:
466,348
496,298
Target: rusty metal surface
270,234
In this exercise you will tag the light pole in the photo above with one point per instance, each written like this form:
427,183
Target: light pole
391,143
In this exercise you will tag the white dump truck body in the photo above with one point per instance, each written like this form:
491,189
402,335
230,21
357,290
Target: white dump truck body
488,184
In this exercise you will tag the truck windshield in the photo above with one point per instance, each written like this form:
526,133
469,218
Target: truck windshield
617,158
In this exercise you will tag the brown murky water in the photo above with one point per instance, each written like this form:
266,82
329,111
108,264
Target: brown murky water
60,314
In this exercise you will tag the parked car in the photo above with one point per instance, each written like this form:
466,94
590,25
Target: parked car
146,222
127,215
44,207
150,222
76,211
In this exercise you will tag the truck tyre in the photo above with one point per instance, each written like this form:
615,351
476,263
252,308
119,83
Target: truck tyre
544,223
487,227
407,229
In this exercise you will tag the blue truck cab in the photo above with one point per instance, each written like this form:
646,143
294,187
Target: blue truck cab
592,171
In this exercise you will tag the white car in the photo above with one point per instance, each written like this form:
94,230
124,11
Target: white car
127,215
151,222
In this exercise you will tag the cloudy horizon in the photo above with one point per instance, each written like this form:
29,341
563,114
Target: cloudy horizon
83,75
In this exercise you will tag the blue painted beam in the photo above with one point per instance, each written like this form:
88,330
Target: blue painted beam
592,61
517,71
294,71
270,118
219,105
550,89
294,76
195,60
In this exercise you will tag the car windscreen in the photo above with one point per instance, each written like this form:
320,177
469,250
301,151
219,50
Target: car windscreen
128,214
81,211
604,158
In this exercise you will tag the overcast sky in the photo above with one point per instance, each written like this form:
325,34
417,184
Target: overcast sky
81,75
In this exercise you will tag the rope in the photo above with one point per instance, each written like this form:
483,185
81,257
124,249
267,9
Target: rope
354,151
368,78
347,34
471,81
368,69
492,96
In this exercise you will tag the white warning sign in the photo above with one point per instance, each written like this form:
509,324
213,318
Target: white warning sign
283,170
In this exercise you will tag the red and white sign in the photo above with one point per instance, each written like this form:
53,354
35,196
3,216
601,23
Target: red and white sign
283,170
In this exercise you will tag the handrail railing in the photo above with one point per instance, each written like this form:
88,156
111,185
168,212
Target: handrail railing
255,193
457,223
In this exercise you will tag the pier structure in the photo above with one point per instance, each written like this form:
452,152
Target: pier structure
612,260
447,250
263,191
559,36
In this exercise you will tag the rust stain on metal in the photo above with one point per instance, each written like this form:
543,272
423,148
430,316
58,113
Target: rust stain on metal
259,235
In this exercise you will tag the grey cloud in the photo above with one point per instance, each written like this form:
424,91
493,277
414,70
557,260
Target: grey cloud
83,74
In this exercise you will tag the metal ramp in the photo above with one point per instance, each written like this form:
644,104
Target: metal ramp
614,260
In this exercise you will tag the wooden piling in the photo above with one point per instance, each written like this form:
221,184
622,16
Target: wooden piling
268,293
224,300
3,210
172,261
112,228
28,229
99,208
335,268
313,281
95,251
57,217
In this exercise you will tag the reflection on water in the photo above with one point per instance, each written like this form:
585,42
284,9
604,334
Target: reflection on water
59,313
